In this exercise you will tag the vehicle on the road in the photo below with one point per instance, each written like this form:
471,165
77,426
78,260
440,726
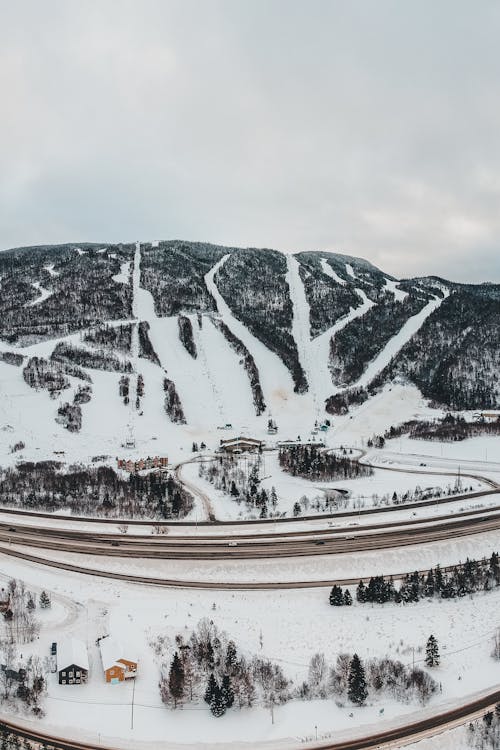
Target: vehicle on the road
11,528
232,544
114,543
320,541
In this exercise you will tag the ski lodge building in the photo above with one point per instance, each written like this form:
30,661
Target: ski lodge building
241,445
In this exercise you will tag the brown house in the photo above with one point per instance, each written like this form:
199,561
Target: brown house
118,665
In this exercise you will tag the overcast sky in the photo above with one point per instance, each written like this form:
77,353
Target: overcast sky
370,128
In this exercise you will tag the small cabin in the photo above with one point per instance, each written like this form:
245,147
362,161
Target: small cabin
72,662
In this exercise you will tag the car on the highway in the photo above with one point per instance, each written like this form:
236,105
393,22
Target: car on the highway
11,528
232,544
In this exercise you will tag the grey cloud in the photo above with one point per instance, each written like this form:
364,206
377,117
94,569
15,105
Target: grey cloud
367,128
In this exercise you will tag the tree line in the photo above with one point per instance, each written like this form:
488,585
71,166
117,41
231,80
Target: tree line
462,580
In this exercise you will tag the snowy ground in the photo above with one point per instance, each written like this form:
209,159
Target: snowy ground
464,630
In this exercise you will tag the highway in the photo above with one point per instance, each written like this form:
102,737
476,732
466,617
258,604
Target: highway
287,543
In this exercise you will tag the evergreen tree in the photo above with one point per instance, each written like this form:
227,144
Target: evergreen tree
231,658
356,690
211,689
45,602
217,705
432,652
176,680
227,692
361,592
347,598
336,597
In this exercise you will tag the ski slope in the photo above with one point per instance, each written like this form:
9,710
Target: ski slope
396,343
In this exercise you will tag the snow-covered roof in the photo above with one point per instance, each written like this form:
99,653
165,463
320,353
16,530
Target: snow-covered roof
72,651
111,651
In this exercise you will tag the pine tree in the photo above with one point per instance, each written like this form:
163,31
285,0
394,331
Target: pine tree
336,597
217,705
432,652
45,602
176,680
227,691
356,691
211,689
31,603
347,598
231,657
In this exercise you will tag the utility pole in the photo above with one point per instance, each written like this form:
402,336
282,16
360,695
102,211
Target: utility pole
132,711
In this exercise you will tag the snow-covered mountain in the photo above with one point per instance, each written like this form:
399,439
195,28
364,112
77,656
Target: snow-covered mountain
170,336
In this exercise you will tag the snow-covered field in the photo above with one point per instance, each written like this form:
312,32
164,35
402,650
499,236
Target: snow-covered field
464,630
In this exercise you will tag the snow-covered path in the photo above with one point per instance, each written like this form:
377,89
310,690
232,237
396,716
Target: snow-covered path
321,379
276,380
396,343
301,326
44,293
328,271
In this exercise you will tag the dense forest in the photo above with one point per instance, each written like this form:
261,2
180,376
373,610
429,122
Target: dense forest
186,335
311,462
82,292
174,274
449,429
358,343
92,491
110,337
455,357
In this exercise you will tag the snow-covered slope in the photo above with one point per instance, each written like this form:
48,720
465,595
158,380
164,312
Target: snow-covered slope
50,295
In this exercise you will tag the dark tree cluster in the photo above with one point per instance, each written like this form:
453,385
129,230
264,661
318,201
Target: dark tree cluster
146,348
110,337
484,734
10,740
448,583
12,358
448,429
186,335
248,363
93,491
70,417
172,404
124,388
209,665
339,403
253,283
454,358
360,341
83,394
67,354
174,274
84,293
311,462
41,373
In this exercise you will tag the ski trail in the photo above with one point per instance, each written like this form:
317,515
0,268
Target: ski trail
301,325
44,293
275,378
320,349
328,271
134,340
202,355
395,344
201,403
391,286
